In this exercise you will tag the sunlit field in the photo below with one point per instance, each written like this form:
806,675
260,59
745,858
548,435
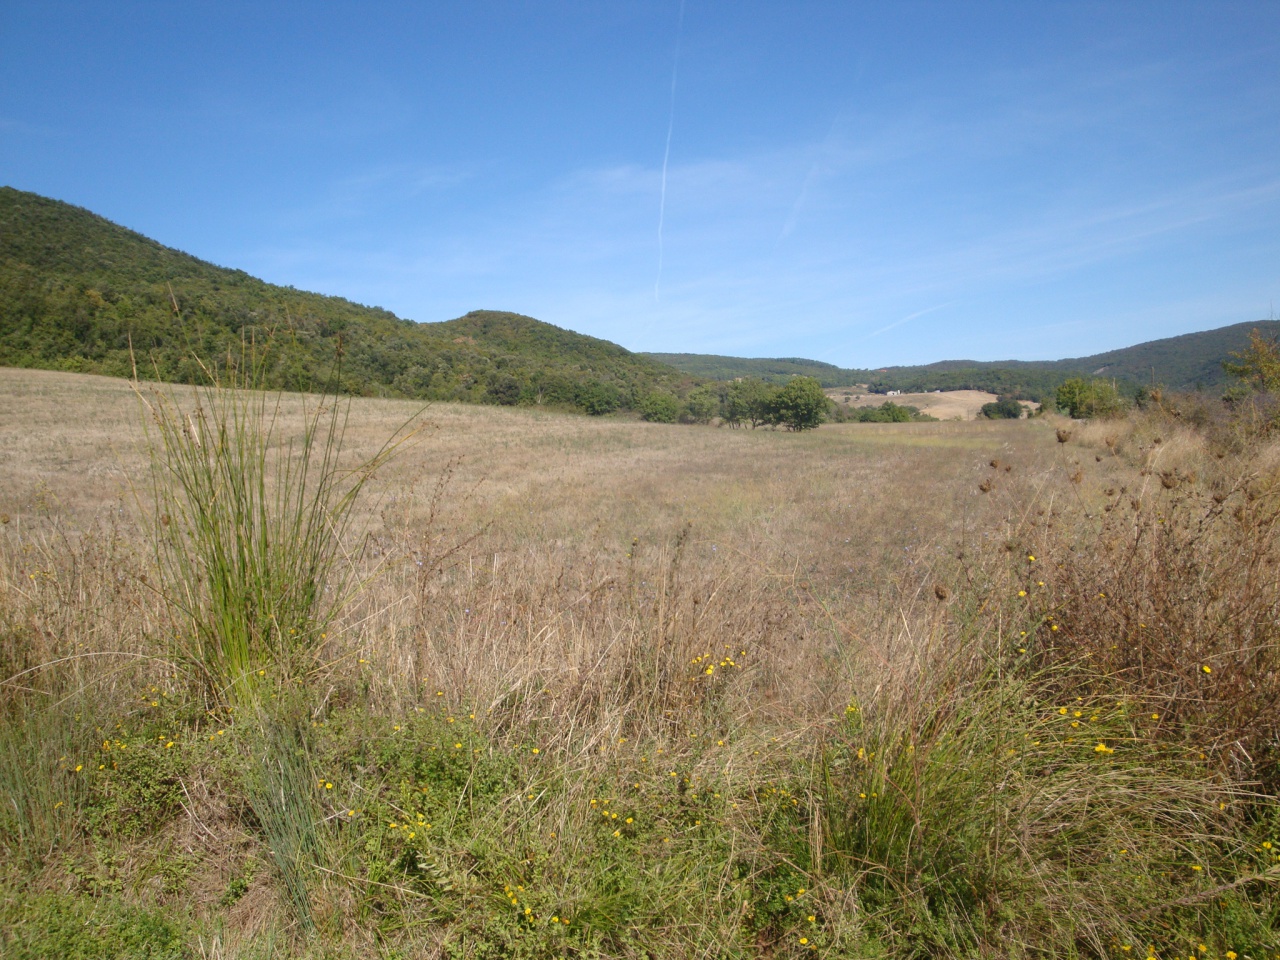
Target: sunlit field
592,687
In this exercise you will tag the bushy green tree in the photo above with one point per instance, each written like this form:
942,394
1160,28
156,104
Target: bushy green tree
800,405
701,405
887,412
503,389
598,398
1259,363
660,407
1103,400
1004,408
749,400
1088,399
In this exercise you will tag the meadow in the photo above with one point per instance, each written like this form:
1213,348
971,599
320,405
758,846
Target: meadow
559,686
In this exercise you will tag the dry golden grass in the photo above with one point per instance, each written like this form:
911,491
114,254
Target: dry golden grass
806,547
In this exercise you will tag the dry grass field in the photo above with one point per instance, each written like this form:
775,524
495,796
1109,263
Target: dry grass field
603,688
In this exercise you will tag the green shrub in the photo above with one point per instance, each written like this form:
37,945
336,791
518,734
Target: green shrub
1089,399
503,389
1259,363
800,405
598,398
139,785
81,928
1004,408
977,809
700,406
749,400
660,407
887,412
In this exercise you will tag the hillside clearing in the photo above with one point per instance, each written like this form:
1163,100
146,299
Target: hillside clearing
941,404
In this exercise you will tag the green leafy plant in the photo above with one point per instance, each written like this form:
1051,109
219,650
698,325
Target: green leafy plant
88,928
1087,399
1259,363
660,407
1004,408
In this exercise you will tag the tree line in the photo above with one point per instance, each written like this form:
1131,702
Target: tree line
798,404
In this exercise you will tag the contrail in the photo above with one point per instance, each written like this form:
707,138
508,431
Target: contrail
909,317
666,154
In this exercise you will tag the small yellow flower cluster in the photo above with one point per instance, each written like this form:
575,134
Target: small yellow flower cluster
153,696
513,894
726,661
410,830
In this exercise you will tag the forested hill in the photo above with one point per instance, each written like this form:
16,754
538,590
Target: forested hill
77,290
778,370
1187,362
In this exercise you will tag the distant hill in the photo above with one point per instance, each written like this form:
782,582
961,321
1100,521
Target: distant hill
773,370
1191,361
77,290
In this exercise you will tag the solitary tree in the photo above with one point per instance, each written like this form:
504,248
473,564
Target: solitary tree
800,405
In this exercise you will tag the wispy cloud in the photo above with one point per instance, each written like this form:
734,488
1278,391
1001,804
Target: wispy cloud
908,318
666,153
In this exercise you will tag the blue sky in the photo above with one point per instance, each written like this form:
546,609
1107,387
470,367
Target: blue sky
861,183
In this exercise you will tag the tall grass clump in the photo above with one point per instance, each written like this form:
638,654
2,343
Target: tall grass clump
279,784
257,554
252,518
41,781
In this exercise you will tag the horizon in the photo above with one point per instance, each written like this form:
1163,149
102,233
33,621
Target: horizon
861,187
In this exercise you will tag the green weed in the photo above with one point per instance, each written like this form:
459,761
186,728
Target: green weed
88,928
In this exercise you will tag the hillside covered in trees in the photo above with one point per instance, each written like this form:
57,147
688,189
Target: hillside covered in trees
1192,361
78,293
778,370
